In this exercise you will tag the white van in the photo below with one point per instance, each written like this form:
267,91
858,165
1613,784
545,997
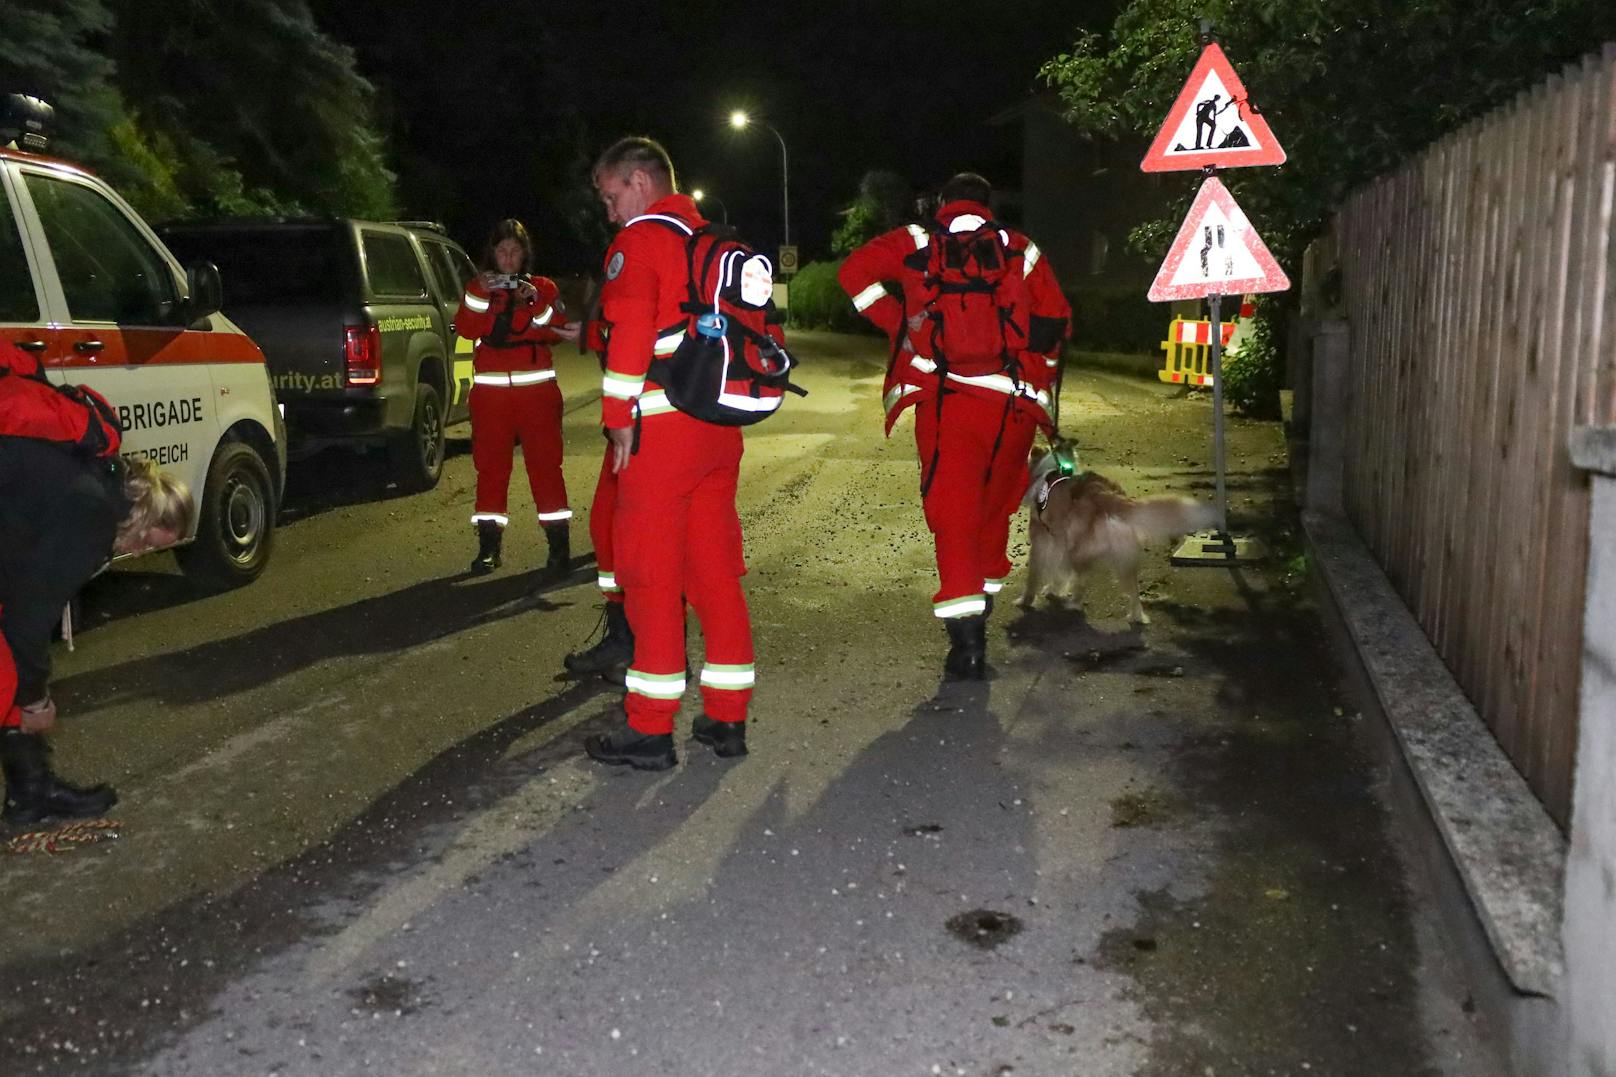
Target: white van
86,286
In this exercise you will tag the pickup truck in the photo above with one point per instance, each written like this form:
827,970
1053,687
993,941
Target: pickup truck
356,320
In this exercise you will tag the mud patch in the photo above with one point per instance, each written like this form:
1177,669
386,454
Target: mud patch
1149,808
396,995
984,928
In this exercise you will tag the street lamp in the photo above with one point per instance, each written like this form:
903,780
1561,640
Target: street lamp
700,195
739,120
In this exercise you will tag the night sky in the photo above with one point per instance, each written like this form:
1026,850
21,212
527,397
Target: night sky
499,111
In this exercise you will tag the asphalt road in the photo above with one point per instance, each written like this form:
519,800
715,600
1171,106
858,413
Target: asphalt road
358,833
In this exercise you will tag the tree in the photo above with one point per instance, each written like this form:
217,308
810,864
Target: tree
1350,87
884,202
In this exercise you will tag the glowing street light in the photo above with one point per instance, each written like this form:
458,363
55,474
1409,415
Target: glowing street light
700,195
740,120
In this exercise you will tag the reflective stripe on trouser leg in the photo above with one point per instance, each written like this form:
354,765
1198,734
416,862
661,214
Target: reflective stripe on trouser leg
539,430
601,512
714,586
494,417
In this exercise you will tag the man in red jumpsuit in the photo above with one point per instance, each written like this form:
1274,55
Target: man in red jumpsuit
676,535
973,432
514,397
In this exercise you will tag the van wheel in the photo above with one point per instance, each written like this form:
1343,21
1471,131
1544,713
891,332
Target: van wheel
236,525
416,455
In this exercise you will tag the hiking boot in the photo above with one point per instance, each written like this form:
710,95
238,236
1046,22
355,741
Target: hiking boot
628,746
726,739
967,648
489,538
610,657
559,536
34,793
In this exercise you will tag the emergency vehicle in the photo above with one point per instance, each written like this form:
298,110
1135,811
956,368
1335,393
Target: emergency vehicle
87,287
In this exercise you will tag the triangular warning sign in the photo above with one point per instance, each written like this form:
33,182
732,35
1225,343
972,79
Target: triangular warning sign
1212,123
1217,252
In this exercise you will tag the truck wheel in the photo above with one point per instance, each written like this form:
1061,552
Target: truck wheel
236,524
416,455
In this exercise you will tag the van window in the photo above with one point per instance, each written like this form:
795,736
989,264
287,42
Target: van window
266,265
18,303
391,264
443,272
462,265
107,269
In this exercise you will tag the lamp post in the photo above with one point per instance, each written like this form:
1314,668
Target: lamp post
739,120
701,196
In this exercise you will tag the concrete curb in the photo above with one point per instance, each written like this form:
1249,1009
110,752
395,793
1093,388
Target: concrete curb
1507,851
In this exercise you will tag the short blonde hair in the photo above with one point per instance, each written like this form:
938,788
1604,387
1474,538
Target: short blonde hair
156,499
637,154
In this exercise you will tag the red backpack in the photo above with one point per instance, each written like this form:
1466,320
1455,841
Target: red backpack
720,364
975,297
72,415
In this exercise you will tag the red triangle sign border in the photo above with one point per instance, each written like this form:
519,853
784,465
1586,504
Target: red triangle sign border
1213,192
1266,151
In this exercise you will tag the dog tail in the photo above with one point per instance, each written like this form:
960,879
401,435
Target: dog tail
1167,517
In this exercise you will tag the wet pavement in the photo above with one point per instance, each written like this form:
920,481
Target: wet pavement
358,834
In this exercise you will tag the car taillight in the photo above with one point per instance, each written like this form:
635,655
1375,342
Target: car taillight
363,350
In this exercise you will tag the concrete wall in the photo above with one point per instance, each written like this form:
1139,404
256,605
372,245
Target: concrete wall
1590,884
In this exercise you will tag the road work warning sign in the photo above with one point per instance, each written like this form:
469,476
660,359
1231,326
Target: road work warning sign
1216,252
1212,123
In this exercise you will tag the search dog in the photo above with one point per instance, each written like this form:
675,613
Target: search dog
1083,520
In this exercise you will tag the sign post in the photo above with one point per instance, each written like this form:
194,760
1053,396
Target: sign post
1217,252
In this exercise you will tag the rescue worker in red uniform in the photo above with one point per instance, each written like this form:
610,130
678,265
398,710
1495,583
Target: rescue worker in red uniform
973,431
67,503
610,656
676,535
515,400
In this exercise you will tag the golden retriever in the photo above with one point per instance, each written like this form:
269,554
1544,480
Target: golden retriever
1086,520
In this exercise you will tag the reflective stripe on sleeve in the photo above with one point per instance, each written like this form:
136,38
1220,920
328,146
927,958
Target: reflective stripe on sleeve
869,297
969,606
919,235
607,581
621,386
897,393
555,517
655,402
655,685
476,303
1030,258
544,318
731,677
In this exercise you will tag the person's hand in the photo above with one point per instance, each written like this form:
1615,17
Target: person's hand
39,717
567,330
622,442
526,292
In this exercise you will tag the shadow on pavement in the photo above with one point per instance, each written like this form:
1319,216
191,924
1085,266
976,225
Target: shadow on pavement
410,617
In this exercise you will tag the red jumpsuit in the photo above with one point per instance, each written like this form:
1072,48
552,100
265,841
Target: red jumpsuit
987,423
676,535
514,397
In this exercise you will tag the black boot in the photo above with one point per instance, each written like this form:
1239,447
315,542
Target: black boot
34,793
559,535
642,751
967,648
726,739
489,537
611,656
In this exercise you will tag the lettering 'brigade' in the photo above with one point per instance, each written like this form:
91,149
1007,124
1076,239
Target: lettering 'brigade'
676,534
977,323
514,396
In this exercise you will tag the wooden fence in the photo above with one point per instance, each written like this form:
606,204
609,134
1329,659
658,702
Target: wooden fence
1480,282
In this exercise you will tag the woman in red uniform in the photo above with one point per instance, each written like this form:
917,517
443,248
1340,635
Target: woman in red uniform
514,318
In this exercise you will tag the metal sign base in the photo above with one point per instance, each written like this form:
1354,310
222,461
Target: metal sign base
1215,549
